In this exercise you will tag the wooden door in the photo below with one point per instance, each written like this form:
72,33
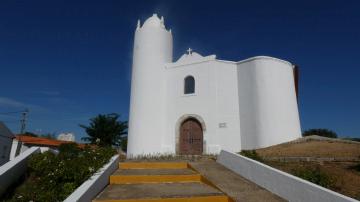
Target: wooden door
191,138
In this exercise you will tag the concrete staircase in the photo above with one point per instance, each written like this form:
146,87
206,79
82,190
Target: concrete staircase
159,182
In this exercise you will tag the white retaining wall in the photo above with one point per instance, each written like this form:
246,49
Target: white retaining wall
12,170
280,183
93,186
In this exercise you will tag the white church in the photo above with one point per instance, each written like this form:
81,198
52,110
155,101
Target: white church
200,104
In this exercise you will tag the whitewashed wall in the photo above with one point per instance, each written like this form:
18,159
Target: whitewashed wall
13,170
14,147
268,105
152,49
214,102
280,183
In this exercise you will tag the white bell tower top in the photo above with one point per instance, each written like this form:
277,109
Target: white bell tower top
153,47
153,22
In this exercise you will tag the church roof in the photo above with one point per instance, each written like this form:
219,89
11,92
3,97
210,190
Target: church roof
191,58
261,57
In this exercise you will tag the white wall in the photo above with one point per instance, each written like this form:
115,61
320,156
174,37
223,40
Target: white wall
268,105
14,147
152,49
215,101
280,183
12,170
227,108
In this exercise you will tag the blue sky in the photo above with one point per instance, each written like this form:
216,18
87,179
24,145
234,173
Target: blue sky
68,61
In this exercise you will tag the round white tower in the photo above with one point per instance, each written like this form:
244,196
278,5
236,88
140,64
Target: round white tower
153,47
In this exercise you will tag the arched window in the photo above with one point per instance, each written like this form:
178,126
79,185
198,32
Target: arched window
189,85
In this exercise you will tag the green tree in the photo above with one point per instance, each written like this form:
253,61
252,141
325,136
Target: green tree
320,132
123,144
50,136
27,133
106,130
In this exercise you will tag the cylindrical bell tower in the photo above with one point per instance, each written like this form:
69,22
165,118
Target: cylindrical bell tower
153,47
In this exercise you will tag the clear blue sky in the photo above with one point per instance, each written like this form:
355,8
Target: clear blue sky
68,61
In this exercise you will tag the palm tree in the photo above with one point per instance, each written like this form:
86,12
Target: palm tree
106,130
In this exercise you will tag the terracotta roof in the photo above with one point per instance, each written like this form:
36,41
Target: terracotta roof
43,141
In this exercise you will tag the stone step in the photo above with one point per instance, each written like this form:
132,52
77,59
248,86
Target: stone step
127,176
161,192
134,179
183,171
153,165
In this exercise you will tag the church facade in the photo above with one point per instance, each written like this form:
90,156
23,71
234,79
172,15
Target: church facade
200,104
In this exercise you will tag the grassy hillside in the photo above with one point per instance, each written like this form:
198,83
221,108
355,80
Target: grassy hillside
342,175
314,147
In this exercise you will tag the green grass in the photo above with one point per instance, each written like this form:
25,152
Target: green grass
251,154
315,175
170,157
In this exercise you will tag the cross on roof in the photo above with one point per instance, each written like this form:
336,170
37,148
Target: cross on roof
189,51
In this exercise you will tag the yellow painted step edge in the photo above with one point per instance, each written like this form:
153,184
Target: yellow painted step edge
204,179
187,199
153,165
133,179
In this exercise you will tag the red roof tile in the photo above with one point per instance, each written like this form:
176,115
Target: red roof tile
43,141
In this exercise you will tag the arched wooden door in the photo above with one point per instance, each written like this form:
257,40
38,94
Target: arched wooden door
191,137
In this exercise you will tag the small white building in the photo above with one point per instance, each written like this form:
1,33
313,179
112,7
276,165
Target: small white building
200,104
66,137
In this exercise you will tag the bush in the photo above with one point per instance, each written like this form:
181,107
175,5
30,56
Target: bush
123,143
320,132
315,175
356,139
54,177
251,154
357,167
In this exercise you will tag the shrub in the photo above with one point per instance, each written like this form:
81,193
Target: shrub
251,154
320,132
54,177
356,139
357,167
315,175
123,143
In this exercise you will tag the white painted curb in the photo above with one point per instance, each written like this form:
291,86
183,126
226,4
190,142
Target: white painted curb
12,170
278,182
93,186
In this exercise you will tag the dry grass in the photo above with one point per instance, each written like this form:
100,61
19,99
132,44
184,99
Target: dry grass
346,178
313,148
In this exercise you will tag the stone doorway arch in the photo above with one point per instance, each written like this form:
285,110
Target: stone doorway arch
190,132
